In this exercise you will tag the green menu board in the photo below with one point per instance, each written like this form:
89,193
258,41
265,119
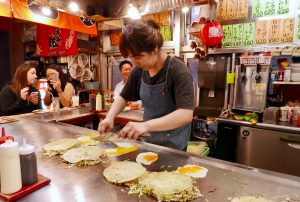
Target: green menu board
227,36
248,34
283,6
237,35
298,28
257,9
269,7
261,8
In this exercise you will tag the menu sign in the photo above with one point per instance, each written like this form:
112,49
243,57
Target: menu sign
227,36
262,32
297,30
287,30
232,9
221,10
261,8
237,35
275,31
242,9
248,34
283,6
270,7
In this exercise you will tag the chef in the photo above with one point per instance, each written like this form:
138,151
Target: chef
163,83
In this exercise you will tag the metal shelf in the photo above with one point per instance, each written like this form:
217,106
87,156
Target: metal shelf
286,82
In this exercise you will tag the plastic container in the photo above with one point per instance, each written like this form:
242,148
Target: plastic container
99,102
28,164
10,168
287,74
55,104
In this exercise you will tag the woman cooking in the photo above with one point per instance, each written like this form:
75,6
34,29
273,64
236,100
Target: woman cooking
164,84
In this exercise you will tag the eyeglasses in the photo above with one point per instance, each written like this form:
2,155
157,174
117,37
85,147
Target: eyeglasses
128,29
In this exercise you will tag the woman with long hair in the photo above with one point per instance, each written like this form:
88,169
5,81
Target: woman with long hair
163,84
20,96
59,86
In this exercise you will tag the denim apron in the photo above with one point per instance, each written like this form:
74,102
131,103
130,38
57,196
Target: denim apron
157,102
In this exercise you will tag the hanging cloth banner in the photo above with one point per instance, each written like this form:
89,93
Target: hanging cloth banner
54,41
5,8
27,10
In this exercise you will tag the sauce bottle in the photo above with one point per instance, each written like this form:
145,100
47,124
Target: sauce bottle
92,101
98,102
28,164
3,137
10,168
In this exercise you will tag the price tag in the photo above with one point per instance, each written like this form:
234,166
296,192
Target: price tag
269,7
221,10
287,30
242,9
283,7
262,32
257,9
237,35
248,34
227,36
275,31
231,9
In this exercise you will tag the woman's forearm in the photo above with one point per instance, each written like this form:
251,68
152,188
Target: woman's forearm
170,121
117,106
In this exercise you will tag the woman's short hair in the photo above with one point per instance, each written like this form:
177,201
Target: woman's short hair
140,36
123,63
20,78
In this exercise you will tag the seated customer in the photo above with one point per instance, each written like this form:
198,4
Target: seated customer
20,96
58,86
125,67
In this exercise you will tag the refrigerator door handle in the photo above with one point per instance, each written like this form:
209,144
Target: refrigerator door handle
291,141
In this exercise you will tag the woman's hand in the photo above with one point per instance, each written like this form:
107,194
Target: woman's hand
133,130
33,98
24,93
56,85
106,125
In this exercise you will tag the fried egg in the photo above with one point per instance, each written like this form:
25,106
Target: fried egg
86,140
146,158
193,171
122,148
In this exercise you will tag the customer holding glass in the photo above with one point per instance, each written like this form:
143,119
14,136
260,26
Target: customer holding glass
59,86
20,96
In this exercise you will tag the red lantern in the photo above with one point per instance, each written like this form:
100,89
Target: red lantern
211,34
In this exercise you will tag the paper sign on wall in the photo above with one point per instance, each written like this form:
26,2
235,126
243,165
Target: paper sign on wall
283,6
237,35
275,31
242,9
227,36
231,11
221,10
297,29
257,9
287,30
248,34
262,32
269,7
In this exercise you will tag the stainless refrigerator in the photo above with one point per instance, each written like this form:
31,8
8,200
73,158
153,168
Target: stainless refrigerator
270,150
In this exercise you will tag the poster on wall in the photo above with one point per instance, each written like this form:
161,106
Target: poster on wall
54,41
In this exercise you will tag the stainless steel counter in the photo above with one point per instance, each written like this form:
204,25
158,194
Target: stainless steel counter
289,127
223,180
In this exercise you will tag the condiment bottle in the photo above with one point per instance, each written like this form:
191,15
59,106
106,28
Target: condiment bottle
10,168
3,137
92,101
98,102
28,164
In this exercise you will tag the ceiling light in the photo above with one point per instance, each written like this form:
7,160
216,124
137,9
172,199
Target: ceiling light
185,9
46,10
133,12
74,7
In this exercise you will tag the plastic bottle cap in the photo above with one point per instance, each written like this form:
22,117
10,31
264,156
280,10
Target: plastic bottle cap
9,145
26,148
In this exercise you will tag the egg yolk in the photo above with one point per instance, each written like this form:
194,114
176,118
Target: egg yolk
150,158
190,169
122,150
